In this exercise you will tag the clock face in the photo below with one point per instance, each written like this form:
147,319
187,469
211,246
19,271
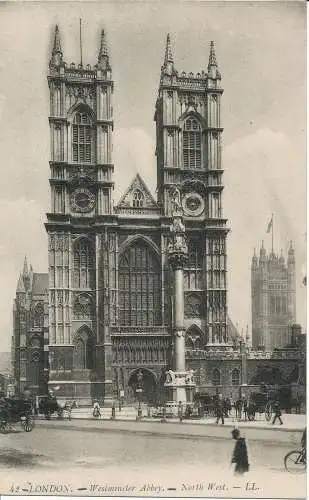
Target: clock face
193,204
82,200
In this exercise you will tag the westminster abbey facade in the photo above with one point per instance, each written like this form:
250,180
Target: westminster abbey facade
109,304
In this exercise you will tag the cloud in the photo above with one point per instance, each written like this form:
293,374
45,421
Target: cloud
264,174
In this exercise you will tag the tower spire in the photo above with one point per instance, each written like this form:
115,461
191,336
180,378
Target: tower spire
25,268
103,57
168,66
56,58
168,58
212,62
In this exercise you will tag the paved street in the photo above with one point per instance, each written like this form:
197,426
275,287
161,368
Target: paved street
63,461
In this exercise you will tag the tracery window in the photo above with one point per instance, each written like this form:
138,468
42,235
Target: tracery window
38,315
192,149
138,199
216,377
235,377
81,138
139,287
83,262
83,306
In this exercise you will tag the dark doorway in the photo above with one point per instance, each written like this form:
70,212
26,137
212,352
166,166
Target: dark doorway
146,381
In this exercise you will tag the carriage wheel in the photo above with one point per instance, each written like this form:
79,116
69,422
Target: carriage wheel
29,424
268,411
251,416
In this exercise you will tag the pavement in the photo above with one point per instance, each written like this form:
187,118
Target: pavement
125,421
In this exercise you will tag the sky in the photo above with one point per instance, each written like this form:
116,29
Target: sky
260,49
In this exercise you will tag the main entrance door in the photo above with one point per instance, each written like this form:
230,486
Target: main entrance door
143,384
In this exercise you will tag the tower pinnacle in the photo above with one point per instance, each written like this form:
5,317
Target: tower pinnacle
168,66
212,63
25,268
103,57
56,58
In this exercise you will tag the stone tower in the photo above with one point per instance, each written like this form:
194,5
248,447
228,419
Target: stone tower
81,184
189,177
273,299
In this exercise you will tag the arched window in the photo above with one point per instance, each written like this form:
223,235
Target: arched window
235,377
83,264
139,287
81,138
38,316
192,144
138,199
216,377
82,306
83,352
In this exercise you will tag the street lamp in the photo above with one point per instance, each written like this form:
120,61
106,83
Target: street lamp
139,391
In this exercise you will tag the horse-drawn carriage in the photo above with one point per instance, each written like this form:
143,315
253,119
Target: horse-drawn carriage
14,410
264,401
49,405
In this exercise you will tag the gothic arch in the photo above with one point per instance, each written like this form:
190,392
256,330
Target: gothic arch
194,337
135,238
82,108
192,114
84,349
235,377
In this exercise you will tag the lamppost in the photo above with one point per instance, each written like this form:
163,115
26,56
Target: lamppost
139,391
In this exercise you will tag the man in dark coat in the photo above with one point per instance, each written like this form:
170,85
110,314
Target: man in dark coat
240,454
277,413
219,410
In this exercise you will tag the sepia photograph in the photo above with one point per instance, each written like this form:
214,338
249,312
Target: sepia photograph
153,249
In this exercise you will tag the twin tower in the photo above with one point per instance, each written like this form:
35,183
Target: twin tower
110,285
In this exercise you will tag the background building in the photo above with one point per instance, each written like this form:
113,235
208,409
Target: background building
273,299
30,332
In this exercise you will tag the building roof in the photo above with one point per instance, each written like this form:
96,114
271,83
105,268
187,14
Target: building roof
137,183
40,283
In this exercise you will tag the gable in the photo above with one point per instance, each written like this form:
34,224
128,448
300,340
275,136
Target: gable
137,196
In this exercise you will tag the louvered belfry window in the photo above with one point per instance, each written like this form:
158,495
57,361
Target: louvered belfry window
139,287
81,138
192,148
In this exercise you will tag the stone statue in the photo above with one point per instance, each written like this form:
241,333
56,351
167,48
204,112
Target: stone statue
189,377
176,201
170,377
178,239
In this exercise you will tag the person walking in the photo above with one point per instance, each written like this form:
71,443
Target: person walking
219,410
240,460
180,411
238,408
277,413
96,409
245,407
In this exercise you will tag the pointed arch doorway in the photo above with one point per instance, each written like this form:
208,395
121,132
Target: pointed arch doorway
144,379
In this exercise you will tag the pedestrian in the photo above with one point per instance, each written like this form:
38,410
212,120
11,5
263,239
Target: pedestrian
238,408
96,409
245,407
277,412
219,411
180,415
240,461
